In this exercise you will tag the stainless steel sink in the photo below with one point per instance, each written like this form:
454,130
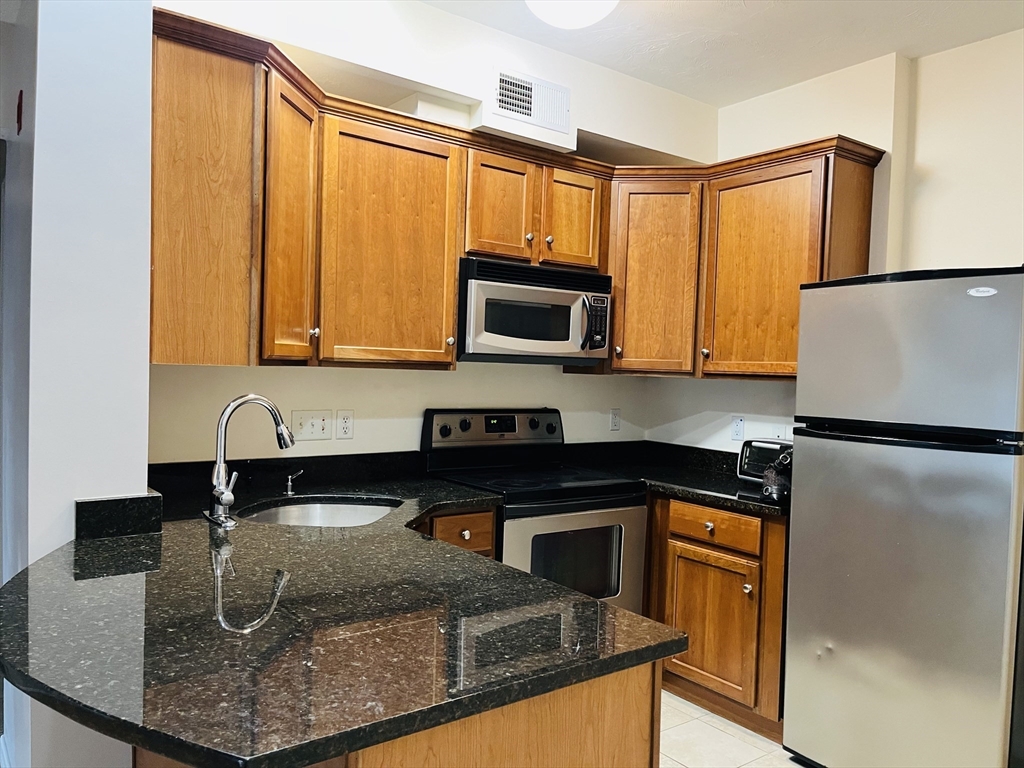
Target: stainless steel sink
327,514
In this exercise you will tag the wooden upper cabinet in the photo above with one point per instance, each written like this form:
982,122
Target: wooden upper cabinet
207,193
571,217
714,598
501,206
653,257
536,213
289,266
391,220
764,239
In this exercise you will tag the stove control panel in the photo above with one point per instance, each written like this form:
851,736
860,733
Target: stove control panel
443,428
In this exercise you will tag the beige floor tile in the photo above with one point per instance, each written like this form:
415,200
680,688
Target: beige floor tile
671,700
778,759
697,744
668,762
671,717
741,733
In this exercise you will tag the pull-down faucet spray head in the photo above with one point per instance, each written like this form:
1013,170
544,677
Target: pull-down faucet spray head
223,496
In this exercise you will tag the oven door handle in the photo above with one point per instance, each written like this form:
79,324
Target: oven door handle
586,334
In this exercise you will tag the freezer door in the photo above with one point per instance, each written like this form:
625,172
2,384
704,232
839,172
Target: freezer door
903,584
942,353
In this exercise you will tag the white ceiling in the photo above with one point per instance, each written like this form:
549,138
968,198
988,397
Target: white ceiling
724,51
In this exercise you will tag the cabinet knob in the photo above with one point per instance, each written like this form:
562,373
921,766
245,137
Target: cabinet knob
705,353
529,237
747,589
618,351
465,534
315,333
549,239
709,527
450,341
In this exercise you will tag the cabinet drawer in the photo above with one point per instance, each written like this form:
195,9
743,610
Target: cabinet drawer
474,531
714,526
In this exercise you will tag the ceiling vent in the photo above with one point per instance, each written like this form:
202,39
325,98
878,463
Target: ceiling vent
533,101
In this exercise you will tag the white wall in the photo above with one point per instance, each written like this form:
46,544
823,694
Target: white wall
388,404
423,44
700,411
81,257
965,187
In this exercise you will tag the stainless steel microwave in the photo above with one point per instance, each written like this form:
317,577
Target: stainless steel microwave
515,313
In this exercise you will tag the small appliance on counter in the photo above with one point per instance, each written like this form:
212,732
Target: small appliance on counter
516,313
581,528
768,466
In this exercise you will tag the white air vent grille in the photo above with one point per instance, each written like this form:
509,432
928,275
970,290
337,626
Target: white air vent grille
533,101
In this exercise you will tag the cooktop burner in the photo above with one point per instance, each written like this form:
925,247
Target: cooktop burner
524,485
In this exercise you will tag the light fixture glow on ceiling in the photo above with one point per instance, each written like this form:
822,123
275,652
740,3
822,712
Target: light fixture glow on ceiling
571,14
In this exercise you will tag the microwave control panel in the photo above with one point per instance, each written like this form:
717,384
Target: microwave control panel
491,427
598,322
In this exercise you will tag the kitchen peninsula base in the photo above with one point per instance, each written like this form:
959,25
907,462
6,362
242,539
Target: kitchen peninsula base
611,720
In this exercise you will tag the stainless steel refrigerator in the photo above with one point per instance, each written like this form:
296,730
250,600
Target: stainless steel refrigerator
902,635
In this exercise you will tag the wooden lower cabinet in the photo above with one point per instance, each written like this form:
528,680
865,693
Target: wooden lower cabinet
609,721
473,531
725,587
715,596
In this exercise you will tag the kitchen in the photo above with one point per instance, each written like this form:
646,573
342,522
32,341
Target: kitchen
608,420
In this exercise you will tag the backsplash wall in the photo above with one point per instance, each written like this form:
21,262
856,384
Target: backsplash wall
185,402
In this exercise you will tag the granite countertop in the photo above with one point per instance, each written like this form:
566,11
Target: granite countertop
700,486
380,632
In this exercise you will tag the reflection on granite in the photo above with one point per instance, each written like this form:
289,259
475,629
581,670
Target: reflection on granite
380,632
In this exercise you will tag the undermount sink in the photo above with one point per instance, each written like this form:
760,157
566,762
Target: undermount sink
327,514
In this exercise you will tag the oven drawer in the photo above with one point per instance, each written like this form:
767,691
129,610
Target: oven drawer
725,529
473,531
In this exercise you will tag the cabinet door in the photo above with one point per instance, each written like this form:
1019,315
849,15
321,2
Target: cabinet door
207,193
714,598
392,207
764,240
654,258
502,206
571,218
289,263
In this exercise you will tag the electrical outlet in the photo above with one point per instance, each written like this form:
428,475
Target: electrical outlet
615,423
346,424
312,425
737,427
779,431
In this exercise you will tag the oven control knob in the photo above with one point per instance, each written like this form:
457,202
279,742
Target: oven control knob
445,430
534,422
550,428
465,424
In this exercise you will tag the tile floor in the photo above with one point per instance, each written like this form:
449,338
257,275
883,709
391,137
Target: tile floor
692,737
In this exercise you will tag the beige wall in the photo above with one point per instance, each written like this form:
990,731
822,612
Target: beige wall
965,182
867,102
388,404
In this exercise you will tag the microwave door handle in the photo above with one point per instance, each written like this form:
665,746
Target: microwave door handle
586,333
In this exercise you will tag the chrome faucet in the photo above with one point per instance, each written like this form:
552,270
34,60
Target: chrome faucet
220,556
223,496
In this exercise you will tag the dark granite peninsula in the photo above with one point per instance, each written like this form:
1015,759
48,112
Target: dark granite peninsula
380,633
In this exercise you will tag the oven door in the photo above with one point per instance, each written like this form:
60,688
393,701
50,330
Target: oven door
524,321
599,552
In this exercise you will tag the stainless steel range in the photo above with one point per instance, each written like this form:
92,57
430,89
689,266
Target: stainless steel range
581,528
